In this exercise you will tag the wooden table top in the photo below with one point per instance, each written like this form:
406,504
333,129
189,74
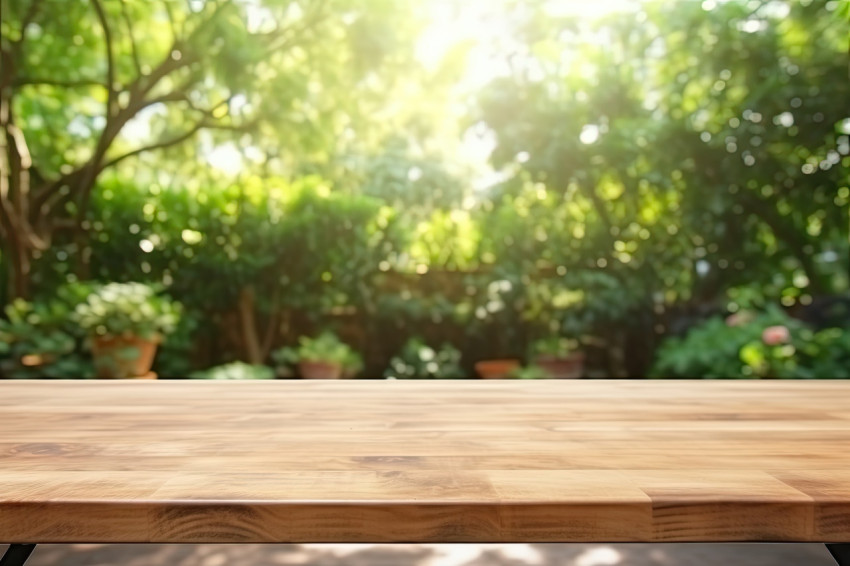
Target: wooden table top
448,461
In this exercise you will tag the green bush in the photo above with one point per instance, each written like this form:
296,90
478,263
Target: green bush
417,360
557,346
235,370
529,372
826,354
755,345
41,339
312,248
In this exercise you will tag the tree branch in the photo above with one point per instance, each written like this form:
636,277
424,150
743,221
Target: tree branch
114,122
110,60
159,145
39,81
175,96
285,40
28,19
144,84
179,94
201,125
166,4
15,164
171,141
135,53
217,11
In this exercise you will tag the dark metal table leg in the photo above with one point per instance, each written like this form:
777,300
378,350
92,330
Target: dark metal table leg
841,553
16,554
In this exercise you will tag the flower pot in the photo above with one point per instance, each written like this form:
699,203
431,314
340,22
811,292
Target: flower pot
570,366
496,369
119,357
319,370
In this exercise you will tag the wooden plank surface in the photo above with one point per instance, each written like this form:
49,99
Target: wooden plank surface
447,461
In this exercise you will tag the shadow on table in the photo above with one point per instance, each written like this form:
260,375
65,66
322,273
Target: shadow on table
431,555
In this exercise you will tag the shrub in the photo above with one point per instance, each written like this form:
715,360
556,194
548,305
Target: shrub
554,346
755,345
417,360
235,370
40,339
529,372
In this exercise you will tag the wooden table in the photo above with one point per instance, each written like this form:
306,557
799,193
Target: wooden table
424,461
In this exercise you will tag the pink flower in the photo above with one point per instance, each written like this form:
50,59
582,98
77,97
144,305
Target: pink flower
739,318
775,335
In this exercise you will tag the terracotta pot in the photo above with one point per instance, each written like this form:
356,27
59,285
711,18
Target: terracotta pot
570,366
496,369
319,370
120,357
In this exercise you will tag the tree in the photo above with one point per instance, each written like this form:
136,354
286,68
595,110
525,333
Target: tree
697,148
692,148
79,93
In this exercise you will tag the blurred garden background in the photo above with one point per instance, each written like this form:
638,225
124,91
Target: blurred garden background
407,189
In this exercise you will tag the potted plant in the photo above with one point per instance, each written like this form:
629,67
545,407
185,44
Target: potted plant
417,360
235,370
559,357
125,322
529,372
322,357
496,369
40,339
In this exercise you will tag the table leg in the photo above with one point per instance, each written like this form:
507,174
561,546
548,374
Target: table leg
841,553
16,554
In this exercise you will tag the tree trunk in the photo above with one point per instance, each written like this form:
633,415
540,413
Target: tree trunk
250,339
18,260
15,241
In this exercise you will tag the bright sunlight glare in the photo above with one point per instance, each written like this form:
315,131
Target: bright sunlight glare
487,28
225,158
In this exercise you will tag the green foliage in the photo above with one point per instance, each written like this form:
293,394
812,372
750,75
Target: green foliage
554,346
285,359
135,309
298,241
295,65
417,360
414,185
529,372
326,347
174,355
740,347
142,89
41,339
334,244
447,239
681,153
684,168
235,370
827,354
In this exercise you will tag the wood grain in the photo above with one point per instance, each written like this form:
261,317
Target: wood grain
443,461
